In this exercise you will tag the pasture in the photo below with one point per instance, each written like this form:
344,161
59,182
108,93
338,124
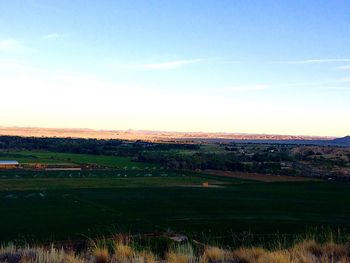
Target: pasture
60,206
74,159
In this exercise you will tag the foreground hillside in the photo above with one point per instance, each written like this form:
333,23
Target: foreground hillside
118,251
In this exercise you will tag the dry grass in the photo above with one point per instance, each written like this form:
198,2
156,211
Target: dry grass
211,254
310,251
145,257
40,255
248,254
181,254
173,257
305,252
123,253
100,255
276,257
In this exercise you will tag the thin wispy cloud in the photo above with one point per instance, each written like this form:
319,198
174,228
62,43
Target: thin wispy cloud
343,67
174,64
11,45
335,84
314,61
221,61
245,88
320,83
343,80
341,84
341,88
54,36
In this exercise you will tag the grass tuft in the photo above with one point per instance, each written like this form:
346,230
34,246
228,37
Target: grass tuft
183,253
247,255
213,254
145,257
100,255
123,253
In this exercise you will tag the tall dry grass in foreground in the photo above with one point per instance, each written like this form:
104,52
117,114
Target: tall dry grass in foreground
123,252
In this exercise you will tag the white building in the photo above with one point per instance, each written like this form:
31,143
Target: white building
9,164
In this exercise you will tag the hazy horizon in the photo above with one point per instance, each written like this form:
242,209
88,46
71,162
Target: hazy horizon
269,67
140,131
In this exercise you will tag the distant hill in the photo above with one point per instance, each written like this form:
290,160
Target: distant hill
343,140
158,135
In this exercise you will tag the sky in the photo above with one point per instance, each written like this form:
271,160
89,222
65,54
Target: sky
239,66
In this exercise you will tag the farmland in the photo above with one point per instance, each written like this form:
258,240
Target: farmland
72,159
139,187
63,208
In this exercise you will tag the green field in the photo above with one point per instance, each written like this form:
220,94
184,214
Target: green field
54,208
48,183
73,158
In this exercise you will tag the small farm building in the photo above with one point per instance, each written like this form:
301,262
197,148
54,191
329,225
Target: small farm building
8,164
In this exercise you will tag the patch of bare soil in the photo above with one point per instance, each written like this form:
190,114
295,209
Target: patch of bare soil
259,177
201,186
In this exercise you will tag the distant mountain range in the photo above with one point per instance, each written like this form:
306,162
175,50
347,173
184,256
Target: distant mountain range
171,136
343,140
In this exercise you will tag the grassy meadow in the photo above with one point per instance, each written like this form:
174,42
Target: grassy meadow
126,196
74,159
55,208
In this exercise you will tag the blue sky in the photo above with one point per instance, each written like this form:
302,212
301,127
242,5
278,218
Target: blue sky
280,67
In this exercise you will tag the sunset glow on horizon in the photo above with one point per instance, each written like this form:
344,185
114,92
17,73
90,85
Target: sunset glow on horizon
231,66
